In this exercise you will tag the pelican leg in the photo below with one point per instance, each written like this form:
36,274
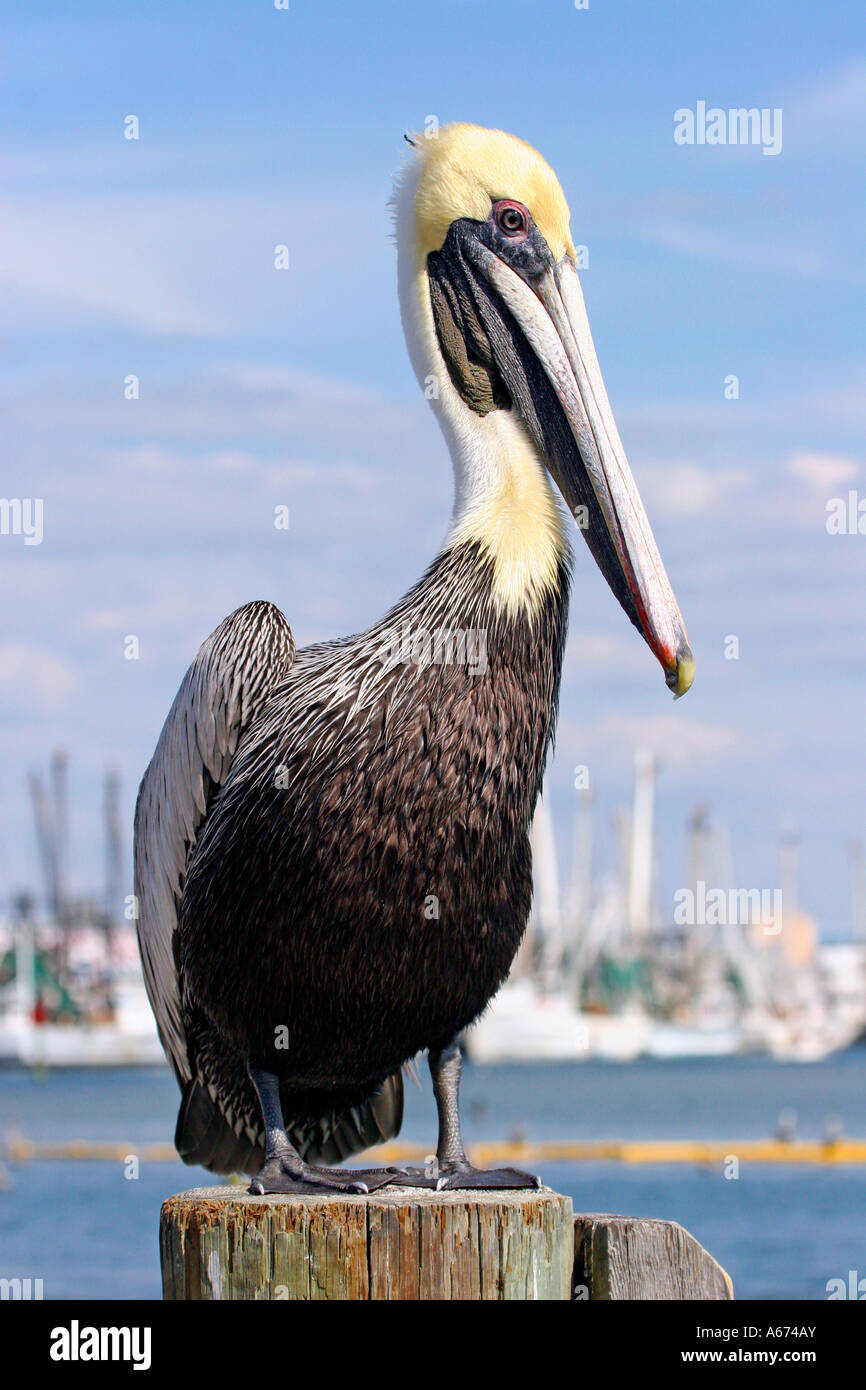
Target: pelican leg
455,1170
284,1170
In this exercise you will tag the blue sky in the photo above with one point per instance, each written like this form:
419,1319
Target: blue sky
259,387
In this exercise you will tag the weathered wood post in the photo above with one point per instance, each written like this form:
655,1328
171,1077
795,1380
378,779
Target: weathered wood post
627,1257
223,1243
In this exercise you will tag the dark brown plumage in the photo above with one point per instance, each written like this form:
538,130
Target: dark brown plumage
363,792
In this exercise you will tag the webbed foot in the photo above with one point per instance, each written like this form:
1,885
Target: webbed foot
286,1172
456,1177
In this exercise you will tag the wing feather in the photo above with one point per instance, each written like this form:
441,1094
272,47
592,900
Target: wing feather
220,695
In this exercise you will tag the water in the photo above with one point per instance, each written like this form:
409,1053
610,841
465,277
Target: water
781,1231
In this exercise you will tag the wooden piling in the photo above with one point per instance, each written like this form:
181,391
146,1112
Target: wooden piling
623,1257
223,1243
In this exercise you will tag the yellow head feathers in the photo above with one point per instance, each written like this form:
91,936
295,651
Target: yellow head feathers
465,168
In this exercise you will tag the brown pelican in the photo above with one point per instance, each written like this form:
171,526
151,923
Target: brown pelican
333,869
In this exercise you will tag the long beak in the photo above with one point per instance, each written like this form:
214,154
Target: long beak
581,444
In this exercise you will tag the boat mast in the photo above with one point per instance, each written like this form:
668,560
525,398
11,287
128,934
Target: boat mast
640,876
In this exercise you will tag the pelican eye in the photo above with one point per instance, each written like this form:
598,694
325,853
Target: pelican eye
511,218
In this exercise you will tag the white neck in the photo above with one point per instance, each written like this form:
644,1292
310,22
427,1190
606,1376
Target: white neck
503,497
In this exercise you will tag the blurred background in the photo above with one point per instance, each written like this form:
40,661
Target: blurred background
172,380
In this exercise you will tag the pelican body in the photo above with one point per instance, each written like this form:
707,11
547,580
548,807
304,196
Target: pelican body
333,869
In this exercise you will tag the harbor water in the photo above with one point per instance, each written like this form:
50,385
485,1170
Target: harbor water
89,1230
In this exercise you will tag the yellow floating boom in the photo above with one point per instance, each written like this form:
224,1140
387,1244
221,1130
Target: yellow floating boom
18,1149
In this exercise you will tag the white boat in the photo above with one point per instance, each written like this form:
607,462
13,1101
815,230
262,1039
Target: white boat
681,1040
127,1038
524,1024
617,1037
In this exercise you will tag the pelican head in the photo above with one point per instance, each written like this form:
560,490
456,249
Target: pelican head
500,340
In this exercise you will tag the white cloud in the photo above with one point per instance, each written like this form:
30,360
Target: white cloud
199,264
34,677
821,470
109,256
682,743
828,116
588,655
684,489
739,246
